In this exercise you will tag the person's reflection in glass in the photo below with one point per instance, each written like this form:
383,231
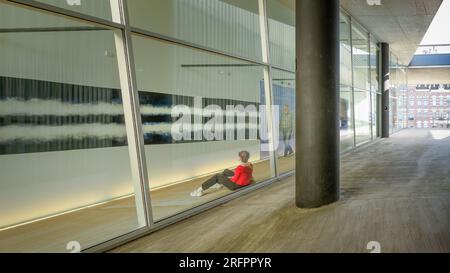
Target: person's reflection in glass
286,129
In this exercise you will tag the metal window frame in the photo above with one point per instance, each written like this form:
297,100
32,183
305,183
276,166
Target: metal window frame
135,108
352,88
375,103
130,102
370,84
66,13
370,104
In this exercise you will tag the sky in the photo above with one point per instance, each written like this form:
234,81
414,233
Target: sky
439,30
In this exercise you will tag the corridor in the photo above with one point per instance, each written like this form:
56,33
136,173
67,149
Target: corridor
395,192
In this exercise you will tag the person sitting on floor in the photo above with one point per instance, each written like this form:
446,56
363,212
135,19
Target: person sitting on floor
241,177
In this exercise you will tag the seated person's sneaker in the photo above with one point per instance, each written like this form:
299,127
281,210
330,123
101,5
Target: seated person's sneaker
197,193
216,186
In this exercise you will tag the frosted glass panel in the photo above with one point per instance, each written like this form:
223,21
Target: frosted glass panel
96,8
282,33
346,118
231,26
64,159
345,51
189,101
283,89
360,54
362,116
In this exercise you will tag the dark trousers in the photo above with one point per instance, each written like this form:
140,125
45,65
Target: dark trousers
221,178
287,134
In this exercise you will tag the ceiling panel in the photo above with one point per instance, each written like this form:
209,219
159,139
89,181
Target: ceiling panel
401,23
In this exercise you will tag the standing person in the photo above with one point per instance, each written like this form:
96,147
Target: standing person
241,177
286,128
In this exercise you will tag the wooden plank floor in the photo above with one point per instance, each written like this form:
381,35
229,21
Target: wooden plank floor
97,224
396,192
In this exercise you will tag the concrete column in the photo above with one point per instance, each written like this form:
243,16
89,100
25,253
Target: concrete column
317,98
385,85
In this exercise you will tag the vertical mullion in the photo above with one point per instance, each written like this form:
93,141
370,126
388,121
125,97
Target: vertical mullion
379,92
132,113
370,85
264,32
353,80
406,100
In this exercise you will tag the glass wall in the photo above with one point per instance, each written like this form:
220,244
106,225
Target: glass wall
281,21
188,99
359,88
64,141
103,9
402,105
109,130
360,94
347,140
110,155
361,84
393,93
374,87
398,95
362,106
283,88
229,26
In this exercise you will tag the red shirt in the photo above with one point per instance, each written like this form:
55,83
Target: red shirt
243,175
